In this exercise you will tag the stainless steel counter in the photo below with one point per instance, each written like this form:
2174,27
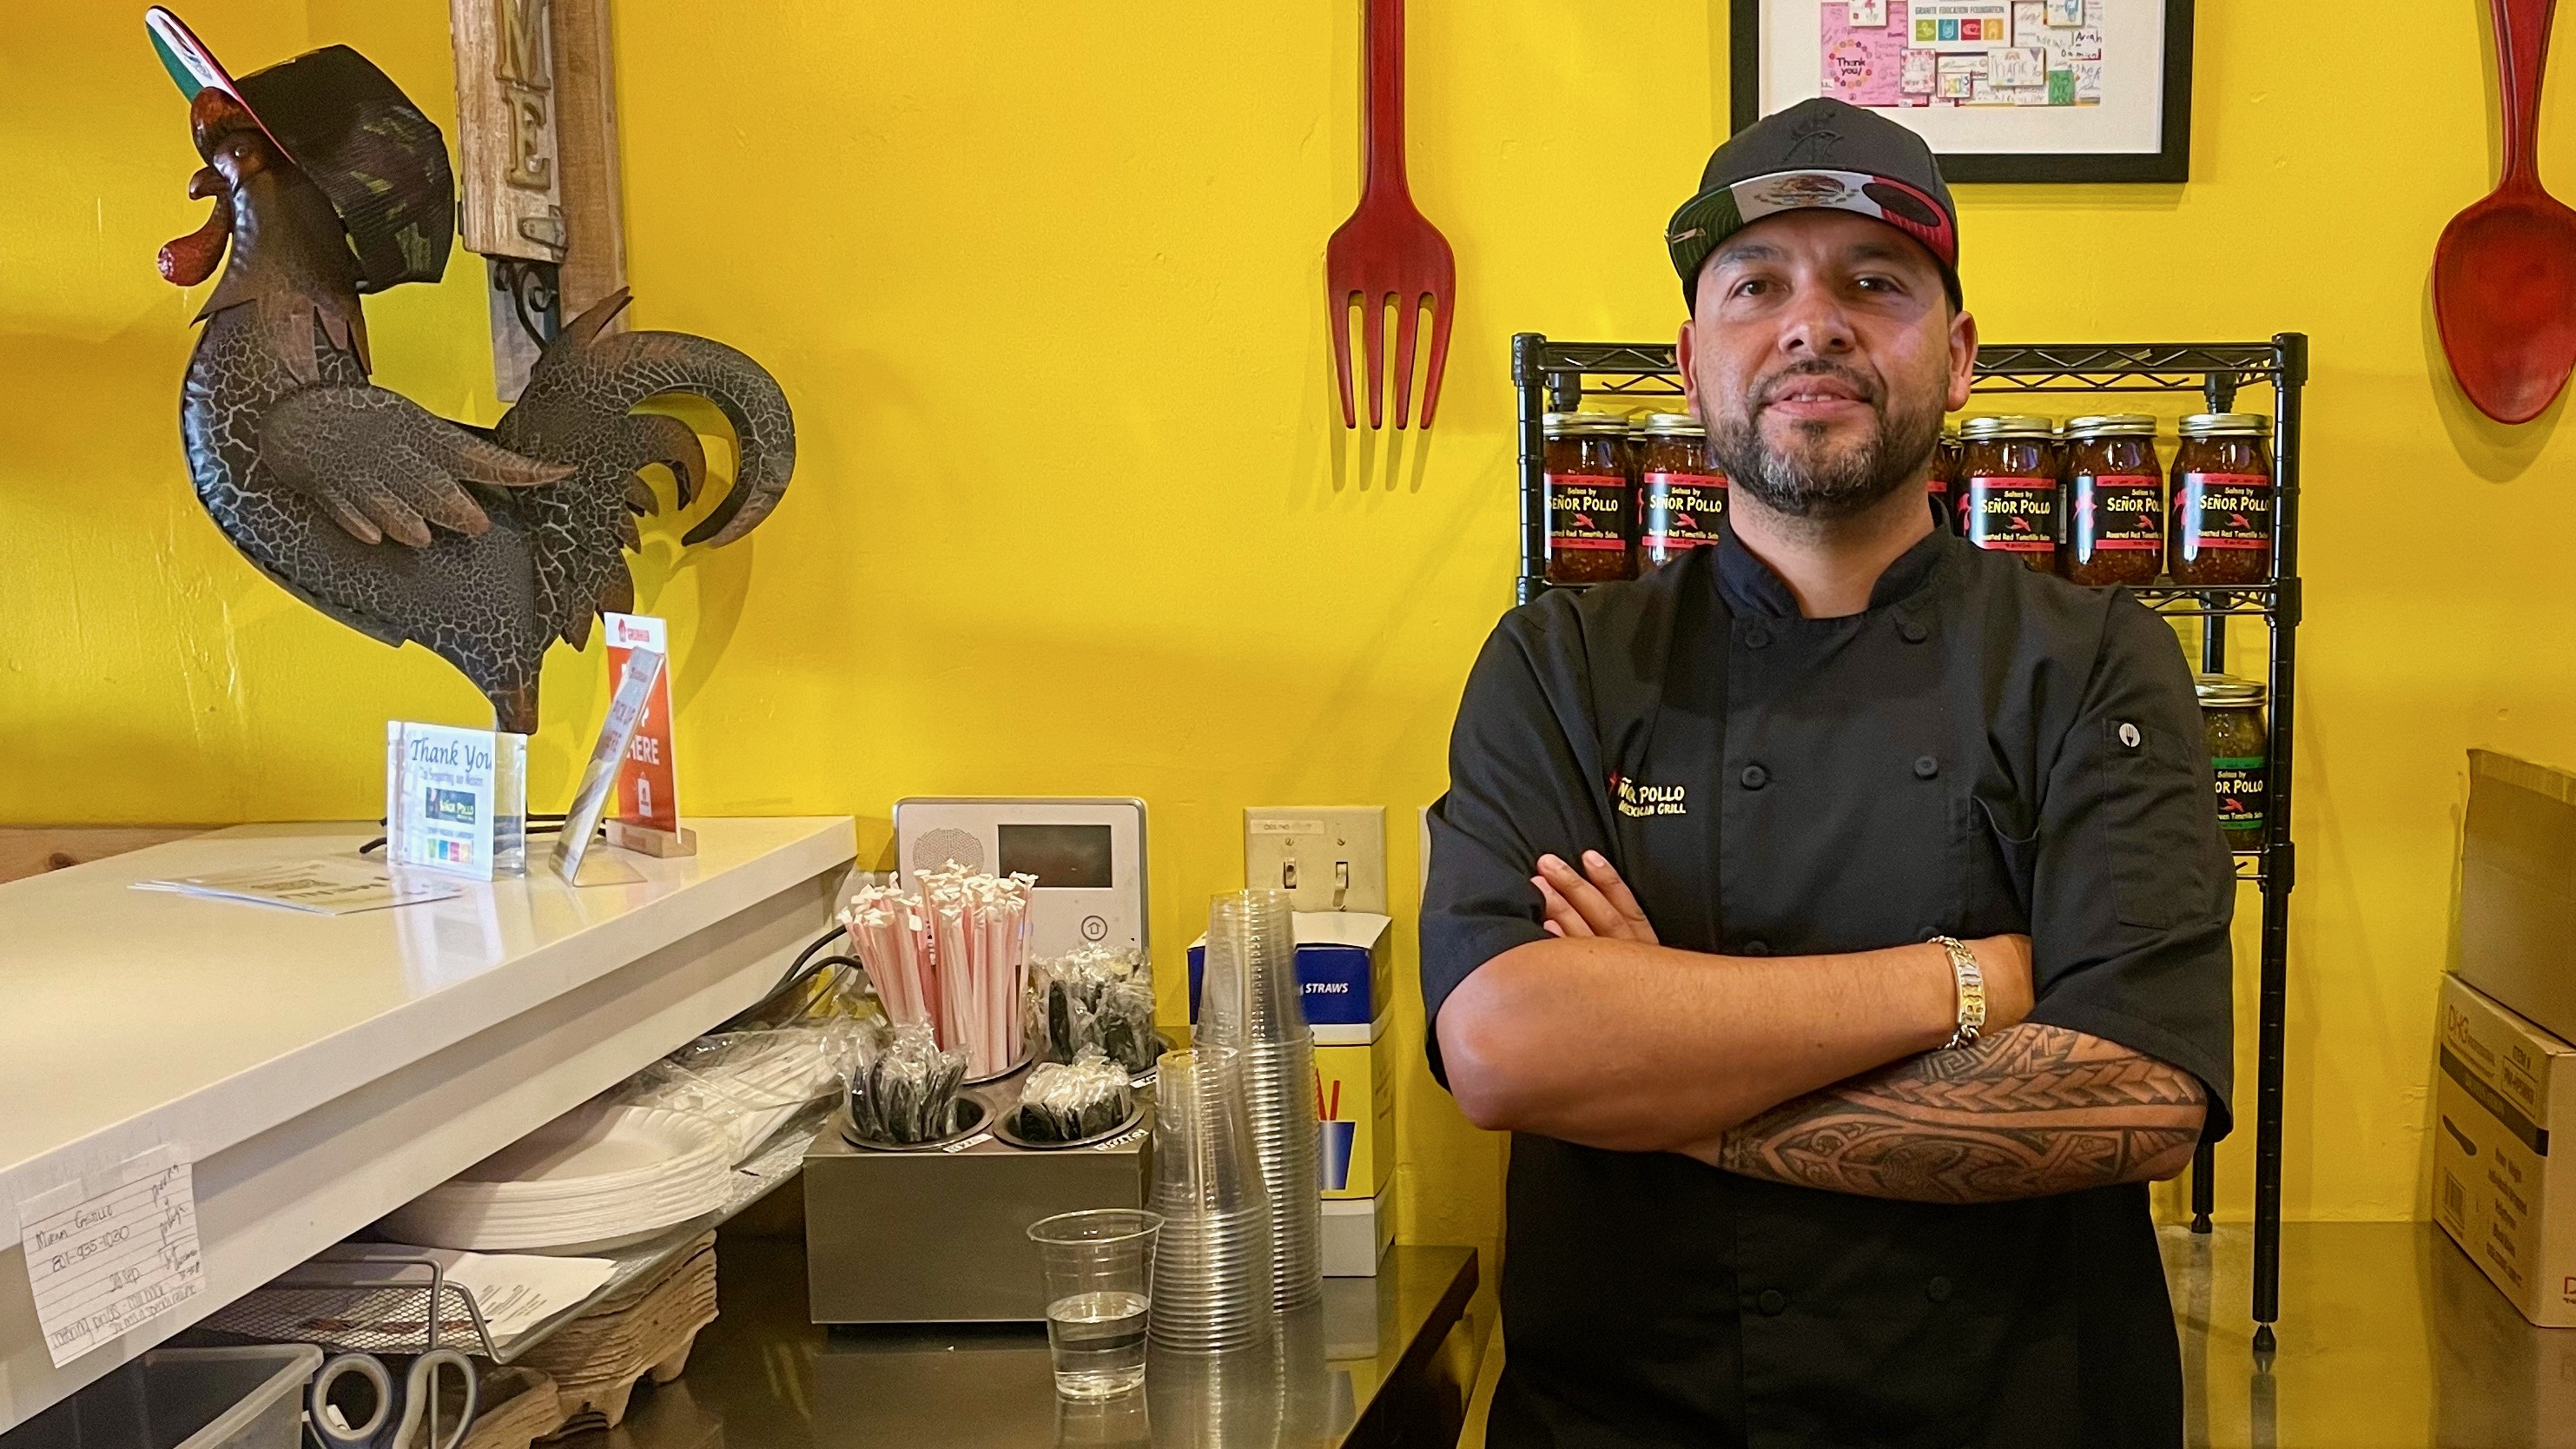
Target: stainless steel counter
1367,1369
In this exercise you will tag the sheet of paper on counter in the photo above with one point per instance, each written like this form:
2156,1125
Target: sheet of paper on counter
320,887
515,1291
112,1252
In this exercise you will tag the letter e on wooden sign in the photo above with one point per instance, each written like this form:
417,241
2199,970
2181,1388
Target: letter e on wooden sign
506,115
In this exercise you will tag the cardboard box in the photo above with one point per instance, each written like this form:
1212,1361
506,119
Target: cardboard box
1357,1232
1355,1097
2505,1097
2518,888
1343,968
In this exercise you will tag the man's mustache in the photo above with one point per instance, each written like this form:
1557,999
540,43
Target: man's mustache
1770,389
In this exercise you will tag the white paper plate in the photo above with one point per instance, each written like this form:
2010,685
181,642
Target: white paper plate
592,1148
467,1230
594,1173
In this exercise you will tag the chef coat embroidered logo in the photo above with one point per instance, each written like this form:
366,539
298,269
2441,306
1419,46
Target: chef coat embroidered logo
1641,800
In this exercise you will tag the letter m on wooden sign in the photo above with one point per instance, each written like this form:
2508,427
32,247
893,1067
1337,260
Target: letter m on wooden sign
506,114
536,112
528,72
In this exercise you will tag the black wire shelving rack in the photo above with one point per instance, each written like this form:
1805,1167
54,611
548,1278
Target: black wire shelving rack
1552,376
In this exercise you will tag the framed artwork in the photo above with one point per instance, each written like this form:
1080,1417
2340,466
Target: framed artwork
2004,90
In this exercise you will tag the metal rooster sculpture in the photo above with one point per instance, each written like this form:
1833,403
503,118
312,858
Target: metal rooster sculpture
484,547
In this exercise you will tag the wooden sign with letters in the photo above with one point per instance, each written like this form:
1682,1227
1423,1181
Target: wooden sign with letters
536,109
506,111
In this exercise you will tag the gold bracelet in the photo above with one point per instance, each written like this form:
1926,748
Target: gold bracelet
1972,992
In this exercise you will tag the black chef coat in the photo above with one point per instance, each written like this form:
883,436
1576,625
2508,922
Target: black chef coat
1985,750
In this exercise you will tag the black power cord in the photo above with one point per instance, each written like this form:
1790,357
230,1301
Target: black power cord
807,963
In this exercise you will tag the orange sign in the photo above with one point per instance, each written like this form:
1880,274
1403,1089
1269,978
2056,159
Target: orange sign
647,792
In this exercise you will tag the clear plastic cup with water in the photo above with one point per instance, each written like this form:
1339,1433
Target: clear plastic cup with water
1099,1269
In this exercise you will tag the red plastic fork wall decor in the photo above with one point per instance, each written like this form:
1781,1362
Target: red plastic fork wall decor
1388,254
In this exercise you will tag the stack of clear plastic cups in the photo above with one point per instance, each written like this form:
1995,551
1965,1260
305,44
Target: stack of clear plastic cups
1212,1259
1252,1003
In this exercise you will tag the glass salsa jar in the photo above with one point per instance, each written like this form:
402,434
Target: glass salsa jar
1944,481
1681,495
2115,501
2231,709
2008,488
2222,500
1591,508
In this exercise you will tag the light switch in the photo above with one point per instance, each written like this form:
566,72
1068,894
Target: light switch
1327,857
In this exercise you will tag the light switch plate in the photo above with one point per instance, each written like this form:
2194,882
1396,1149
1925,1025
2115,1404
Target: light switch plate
1327,857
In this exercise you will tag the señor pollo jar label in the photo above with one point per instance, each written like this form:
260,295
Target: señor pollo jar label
1587,510
2240,792
2116,512
2222,510
1683,509
2015,515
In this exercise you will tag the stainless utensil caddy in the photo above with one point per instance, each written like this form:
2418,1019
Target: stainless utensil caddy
940,1234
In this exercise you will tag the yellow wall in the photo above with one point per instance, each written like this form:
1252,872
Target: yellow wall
1073,514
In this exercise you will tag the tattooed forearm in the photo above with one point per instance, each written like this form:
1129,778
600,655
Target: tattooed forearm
2027,1112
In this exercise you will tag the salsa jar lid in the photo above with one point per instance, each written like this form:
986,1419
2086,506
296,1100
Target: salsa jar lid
2111,425
2003,425
2226,425
1674,424
1586,424
2226,691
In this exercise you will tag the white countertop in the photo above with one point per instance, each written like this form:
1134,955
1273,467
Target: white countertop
130,1019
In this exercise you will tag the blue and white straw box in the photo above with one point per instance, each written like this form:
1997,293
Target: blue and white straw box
1342,967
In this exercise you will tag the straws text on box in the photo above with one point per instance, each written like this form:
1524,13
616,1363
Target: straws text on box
107,1264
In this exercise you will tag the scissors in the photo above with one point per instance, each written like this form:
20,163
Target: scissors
395,1421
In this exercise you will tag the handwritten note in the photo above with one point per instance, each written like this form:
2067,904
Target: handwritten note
111,1253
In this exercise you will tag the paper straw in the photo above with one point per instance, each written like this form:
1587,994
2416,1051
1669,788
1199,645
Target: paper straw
956,987
953,956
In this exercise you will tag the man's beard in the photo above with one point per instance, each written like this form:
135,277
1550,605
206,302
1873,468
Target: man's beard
1803,481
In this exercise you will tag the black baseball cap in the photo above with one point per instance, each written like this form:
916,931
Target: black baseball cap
1818,153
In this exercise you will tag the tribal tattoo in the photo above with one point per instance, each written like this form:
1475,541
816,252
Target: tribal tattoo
2027,1112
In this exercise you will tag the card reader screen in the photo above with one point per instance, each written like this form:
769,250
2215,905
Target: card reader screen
1062,857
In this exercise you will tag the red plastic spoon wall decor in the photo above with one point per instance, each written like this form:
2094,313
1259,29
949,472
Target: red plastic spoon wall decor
1388,253
2504,272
